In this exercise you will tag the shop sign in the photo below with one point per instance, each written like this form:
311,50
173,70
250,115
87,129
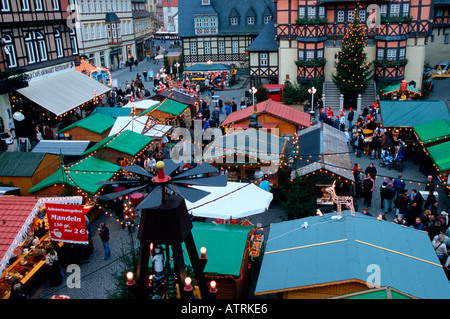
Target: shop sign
67,223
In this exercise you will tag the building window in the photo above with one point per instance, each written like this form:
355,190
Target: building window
380,54
205,2
36,47
263,59
362,15
207,46
8,47
92,32
5,5
301,12
391,54
350,16
234,21
25,5
311,12
38,4
250,20
301,55
406,9
395,10
221,47
267,19
58,44
193,48
309,55
319,54
73,41
235,46
383,10
86,32
402,53
340,16
55,4
321,12
99,31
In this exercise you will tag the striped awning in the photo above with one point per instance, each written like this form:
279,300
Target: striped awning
63,92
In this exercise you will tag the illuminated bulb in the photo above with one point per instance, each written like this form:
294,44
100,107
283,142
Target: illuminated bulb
203,253
130,280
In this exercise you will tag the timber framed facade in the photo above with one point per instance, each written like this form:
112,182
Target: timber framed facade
310,30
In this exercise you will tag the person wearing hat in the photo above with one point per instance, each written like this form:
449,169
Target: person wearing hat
336,122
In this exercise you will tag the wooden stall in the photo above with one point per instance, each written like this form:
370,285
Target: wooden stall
92,128
272,114
25,170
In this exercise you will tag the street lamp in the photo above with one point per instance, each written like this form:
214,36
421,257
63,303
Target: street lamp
177,65
312,91
253,90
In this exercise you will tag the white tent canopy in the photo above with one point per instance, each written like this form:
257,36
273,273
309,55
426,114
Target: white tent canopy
236,200
135,124
142,104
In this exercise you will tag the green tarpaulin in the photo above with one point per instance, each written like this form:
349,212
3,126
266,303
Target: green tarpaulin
412,113
440,154
84,174
97,123
127,142
433,131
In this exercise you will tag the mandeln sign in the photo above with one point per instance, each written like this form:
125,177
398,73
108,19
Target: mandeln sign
67,223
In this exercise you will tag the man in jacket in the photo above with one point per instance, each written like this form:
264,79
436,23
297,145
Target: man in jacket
350,117
401,202
387,193
368,187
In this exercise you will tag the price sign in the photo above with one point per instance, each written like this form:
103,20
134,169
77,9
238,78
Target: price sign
67,223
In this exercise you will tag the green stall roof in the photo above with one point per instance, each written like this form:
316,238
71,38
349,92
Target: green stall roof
172,107
440,154
225,244
83,174
97,123
127,142
433,131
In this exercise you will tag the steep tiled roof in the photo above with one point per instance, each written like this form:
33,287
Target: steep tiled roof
273,108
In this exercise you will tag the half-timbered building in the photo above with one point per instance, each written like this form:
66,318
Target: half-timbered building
310,32
221,31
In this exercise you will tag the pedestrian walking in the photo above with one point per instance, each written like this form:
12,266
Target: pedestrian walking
103,232
145,73
368,187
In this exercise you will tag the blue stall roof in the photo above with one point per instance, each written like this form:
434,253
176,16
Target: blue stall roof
331,251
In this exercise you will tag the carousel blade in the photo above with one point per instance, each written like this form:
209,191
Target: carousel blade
136,169
170,166
188,193
219,180
154,199
114,195
200,169
116,182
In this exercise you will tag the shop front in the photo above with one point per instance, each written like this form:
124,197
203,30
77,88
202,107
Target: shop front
29,235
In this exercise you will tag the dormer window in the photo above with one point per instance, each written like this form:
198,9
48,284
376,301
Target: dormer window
206,2
206,24
250,20
234,21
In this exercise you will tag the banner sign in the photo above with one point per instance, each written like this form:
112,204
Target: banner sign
67,223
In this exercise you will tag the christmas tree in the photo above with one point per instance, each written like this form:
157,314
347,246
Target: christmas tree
352,70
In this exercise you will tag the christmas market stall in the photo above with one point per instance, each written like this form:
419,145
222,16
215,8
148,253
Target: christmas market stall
121,148
296,263
272,115
135,124
92,128
113,112
228,255
401,91
141,106
170,112
26,169
400,117
80,176
55,94
440,156
27,232
321,157
69,150
240,154
432,133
